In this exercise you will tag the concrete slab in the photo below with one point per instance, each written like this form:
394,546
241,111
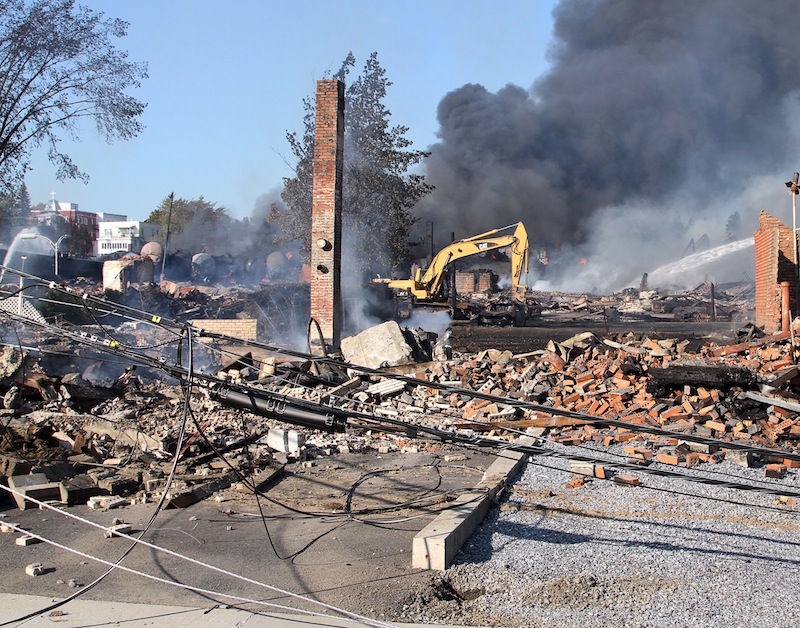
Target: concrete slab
33,485
436,545
334,558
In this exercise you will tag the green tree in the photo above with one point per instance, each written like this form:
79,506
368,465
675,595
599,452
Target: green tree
195,225
15,210
80,239
58,67
378,190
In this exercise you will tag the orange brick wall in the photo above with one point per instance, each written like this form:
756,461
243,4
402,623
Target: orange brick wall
465,282
244,328
774,264
326,211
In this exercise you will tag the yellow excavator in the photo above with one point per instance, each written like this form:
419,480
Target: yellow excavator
428,287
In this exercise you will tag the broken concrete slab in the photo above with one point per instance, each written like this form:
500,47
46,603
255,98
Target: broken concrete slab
78,490
128,436
377,347
286,441
34,485
14,466
119,485
193,495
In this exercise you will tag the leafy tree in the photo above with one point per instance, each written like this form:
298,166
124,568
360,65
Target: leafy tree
378,191
195,226
58,67
80,240
15,210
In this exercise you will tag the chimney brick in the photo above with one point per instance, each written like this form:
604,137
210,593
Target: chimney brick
326,212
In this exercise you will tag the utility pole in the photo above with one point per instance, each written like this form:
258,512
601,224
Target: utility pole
21,284
794,189
166,238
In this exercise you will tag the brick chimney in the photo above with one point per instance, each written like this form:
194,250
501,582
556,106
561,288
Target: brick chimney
326,213
774,264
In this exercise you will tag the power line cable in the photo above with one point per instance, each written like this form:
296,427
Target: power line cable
194,561
180,585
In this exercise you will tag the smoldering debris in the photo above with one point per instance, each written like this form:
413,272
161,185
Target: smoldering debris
707,302
115,434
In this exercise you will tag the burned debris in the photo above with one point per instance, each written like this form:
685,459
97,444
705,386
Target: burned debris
196,401
112,427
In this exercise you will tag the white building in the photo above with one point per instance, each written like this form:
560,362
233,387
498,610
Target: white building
108,217
128,236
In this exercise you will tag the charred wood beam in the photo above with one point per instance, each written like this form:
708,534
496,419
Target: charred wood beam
712,376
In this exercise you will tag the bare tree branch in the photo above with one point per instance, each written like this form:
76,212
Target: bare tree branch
58,65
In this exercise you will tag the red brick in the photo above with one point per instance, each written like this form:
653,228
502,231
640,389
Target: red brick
629,480
775,471
667,458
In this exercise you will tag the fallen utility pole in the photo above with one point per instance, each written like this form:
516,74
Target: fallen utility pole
281,408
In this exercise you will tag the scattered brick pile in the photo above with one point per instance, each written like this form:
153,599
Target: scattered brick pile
639,381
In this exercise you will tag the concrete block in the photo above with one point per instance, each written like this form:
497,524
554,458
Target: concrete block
33,485
13,466
118,530
17,482
78,490
26,540
34,569
581,467
378,347
436,545
740,457
56,471
286,441
119,485
105,502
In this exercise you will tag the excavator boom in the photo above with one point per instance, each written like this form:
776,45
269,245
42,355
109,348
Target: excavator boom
428,286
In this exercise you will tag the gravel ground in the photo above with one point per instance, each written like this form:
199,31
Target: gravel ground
605,554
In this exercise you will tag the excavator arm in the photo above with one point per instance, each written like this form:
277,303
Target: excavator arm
428,286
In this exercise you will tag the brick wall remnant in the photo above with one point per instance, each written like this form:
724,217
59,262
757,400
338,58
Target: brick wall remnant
326,212
774,264
242,328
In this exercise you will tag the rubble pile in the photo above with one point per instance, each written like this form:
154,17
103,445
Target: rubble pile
84,435
731,302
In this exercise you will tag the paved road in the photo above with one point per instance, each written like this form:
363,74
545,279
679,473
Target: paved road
361,562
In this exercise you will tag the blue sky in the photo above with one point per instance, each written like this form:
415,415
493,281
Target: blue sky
227,80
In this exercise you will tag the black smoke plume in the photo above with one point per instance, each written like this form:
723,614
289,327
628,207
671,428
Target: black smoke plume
655,122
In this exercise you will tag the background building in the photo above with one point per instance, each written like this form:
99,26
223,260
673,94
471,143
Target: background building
58,213
127,236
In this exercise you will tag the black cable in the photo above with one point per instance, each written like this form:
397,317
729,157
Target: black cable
454,437
432,384
451,436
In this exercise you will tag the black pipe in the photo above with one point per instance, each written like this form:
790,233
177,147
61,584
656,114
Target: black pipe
278,408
